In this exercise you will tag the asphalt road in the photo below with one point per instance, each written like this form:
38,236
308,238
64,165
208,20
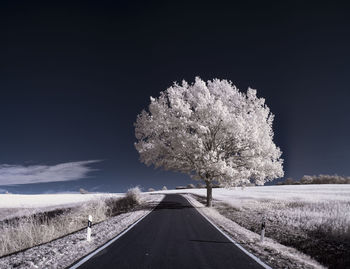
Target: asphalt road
173,235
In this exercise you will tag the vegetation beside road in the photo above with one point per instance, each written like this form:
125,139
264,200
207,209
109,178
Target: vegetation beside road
25,232
319,229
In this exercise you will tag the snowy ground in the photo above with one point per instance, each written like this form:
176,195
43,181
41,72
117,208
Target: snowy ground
16,205
314,219
64,251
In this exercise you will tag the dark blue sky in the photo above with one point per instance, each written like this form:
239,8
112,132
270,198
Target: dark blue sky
75,75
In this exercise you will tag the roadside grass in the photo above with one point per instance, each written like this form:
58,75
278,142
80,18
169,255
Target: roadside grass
25,232
319,229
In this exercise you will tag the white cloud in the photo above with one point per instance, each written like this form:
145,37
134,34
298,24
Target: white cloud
19,174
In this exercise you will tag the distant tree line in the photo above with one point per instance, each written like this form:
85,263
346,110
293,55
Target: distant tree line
198,186
320,179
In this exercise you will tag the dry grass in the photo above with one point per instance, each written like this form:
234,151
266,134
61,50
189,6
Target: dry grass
25,232
319,229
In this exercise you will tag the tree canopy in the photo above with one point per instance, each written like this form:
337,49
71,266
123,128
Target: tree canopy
211,131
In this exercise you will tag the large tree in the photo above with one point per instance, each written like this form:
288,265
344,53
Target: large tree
211,131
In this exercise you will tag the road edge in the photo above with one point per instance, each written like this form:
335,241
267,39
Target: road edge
111,241
229,238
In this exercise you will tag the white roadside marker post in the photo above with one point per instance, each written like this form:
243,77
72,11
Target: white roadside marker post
263,224
89,229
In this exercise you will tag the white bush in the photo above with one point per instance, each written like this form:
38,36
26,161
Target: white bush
134,194
83,191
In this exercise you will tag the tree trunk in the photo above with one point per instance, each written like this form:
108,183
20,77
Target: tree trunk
209,194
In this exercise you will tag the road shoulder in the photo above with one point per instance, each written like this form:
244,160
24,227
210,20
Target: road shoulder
65,251
270,252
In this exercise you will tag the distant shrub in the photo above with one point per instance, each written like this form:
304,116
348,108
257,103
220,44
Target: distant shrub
325,179
180,187
83,191
306,180
200,185
164,188
134,194
190,186
116,206
320,179
151,189
289,181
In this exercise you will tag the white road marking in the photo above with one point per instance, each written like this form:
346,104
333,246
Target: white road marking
89,256
229,238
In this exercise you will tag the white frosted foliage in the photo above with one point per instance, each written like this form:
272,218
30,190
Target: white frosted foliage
211,131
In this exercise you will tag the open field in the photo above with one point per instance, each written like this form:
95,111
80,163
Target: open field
240,196
44,200
315,207
314,219
16,205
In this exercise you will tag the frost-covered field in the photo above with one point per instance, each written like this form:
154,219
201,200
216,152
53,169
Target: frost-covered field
43,200
16,205
240,196
314,219
325,207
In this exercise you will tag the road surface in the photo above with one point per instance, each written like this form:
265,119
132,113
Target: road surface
174,235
